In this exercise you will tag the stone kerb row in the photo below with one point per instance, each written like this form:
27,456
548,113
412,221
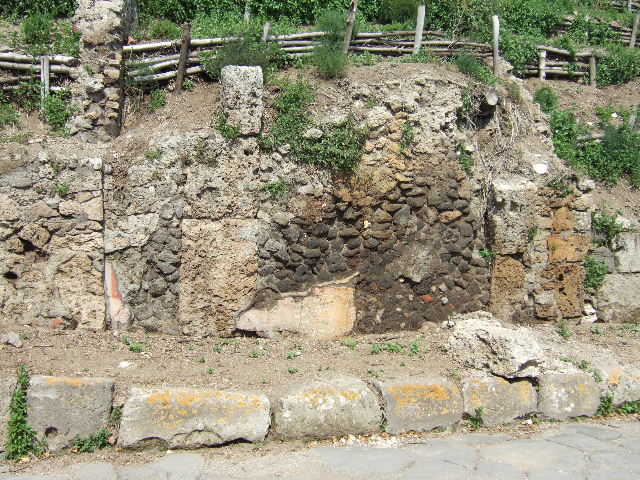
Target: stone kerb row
62,408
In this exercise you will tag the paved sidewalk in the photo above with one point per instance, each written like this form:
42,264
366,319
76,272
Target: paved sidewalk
569,452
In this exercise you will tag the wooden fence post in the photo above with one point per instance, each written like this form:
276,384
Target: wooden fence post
496,43
417,43
351,20
542,65
634,31
629,5
184,55
592,70
44,79
265,31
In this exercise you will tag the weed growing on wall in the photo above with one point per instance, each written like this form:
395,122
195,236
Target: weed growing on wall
226,129
608,224
338,148
277,188
95,441
21,438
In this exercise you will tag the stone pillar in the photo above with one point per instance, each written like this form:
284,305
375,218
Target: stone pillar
242,98
98,91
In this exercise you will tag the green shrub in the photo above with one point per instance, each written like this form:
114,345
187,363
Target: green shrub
565,135
330,61
21,437
546,98
95,441
28,95
226,129
58,109
54,8
277,188
519,49
595,272
161,29
328,56
398,10
619,65
246,50
8,113
158,99
472,66
607,223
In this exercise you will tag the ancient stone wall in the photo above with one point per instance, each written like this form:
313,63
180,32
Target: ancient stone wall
186,240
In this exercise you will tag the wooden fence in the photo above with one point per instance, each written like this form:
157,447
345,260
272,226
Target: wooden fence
53,71
143,66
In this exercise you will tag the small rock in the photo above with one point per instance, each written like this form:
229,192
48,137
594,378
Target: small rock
12,339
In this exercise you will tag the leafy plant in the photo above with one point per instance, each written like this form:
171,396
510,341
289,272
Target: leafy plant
488,256
155,154
607,223
466,161
407,135
226,129
158,99
62,190
546,98
560,185
135,347
328,56
351,343
376,348
393,347
116,415
595,272
606,405
470,65
8,113
563,329
162,29
246,49
476,421
21,437
293,370
620,65
58,109
277,188
256,353
95,441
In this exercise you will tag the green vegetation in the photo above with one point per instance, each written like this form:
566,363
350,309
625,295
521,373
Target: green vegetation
561,185
21,438
158,99
607,407
95,441
293,370
585,366
563,329
277,188
607,223
116,415
472,66
351,343
547,99
407,136
226,129
339,148
135,347
328,56
246,49
466,162
476,421
619,65
62,190
8,113
155,154
58,109
595,272
488,256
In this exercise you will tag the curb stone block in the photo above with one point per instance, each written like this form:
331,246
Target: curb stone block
61,408
420,404
565,395
7,387
192,417
502,402
323,408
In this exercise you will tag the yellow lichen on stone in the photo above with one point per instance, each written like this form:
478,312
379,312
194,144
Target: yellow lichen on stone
410,395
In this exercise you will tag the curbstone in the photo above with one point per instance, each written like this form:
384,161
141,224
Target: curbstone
192,417
420,403
502,402
61,408
323,408
565,395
